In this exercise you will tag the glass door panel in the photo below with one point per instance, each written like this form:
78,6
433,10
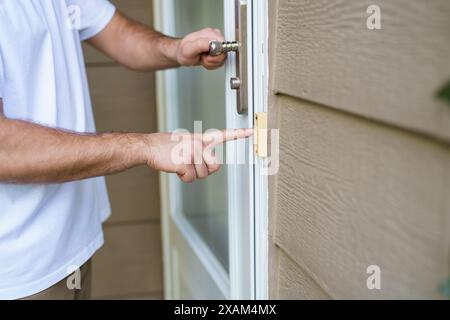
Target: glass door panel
201,97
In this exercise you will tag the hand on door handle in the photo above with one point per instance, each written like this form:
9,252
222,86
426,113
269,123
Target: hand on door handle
193,49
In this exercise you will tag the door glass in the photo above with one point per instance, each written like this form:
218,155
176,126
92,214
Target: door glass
201,97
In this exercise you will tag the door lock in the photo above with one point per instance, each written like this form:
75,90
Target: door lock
235,83
216,48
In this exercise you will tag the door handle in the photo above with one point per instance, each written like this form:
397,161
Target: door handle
240,82
216,48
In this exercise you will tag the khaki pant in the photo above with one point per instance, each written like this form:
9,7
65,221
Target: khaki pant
60,291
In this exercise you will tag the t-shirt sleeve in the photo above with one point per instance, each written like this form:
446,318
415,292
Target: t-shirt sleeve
92,15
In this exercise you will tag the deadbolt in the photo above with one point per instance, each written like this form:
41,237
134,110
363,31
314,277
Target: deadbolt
235,83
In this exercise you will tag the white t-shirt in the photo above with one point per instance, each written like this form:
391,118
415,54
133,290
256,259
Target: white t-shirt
45,230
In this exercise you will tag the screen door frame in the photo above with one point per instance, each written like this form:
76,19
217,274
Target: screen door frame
248,240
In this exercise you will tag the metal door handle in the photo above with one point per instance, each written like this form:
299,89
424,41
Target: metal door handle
216,48
241,59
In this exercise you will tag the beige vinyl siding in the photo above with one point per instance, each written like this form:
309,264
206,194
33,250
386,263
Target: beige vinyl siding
364,156
326,54
130,263
293,282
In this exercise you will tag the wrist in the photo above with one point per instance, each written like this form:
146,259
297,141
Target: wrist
131,148
169,47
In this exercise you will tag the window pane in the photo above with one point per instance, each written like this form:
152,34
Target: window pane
201,95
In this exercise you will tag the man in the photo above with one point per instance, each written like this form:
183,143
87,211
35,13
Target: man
52,201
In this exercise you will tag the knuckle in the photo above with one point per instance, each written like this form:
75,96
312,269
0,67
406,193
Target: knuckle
200,41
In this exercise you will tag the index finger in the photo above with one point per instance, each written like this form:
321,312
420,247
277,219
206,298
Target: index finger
215,138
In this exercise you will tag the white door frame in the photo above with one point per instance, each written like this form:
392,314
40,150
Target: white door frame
256,233
260,104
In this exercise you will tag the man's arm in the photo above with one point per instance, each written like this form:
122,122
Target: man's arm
30,153
139,47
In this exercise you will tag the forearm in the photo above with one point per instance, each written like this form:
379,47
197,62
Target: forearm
136,46
31,153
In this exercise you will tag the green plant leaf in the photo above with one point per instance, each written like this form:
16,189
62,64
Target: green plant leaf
444,93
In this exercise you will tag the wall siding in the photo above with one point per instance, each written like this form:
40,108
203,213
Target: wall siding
364,157
129,264
352,193
294,283
326,54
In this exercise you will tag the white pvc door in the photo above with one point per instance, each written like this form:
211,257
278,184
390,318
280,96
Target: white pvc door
207,225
